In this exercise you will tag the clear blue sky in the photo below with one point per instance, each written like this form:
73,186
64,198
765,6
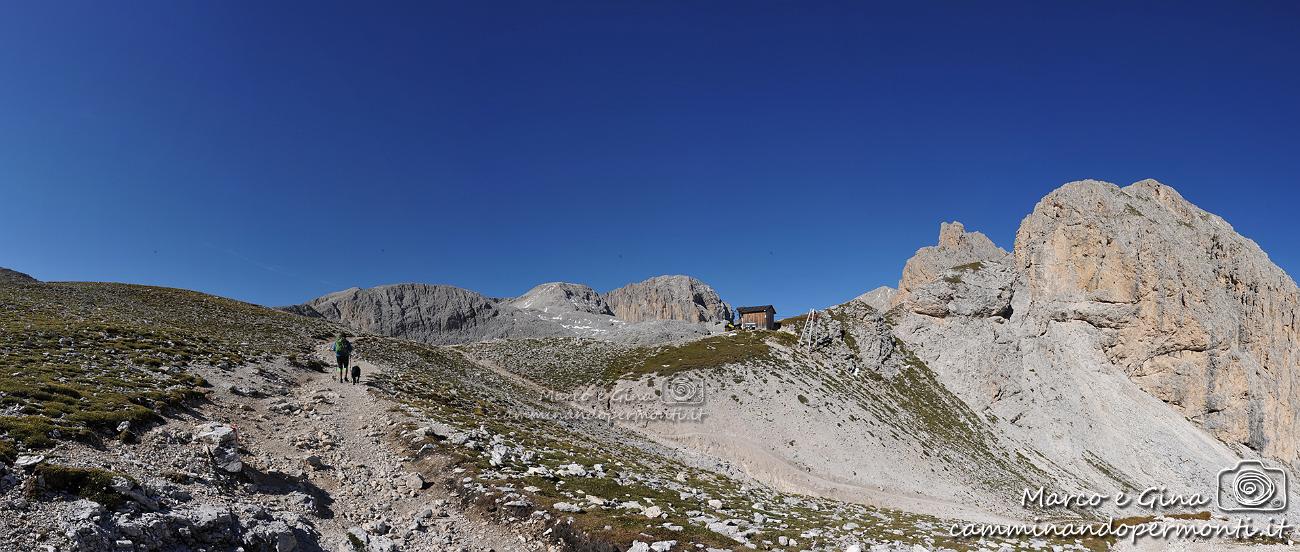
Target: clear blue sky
275,151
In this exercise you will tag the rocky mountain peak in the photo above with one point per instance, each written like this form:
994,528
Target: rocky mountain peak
957,248
563,296
955,240
1166,195
878,298
668,298
1127,323
1135,281
954,237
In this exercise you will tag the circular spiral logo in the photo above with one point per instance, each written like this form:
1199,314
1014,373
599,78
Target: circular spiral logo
1254,488
682,390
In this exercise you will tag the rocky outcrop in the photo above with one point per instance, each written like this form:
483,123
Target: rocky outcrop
8,276
1127,328
976,289
668,298
880,298
1193,312
431,313
852,336
561,297
965,275
958,250
248,526
221,445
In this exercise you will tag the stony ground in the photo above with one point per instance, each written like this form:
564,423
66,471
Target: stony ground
372,486
319,471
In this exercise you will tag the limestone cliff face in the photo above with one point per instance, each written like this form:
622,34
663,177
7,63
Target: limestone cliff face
668,298
1131,338
1193,312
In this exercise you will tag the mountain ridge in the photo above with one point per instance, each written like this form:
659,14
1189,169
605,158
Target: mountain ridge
669,308
13,276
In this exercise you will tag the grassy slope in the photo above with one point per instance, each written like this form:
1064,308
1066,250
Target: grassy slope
565,364
81,358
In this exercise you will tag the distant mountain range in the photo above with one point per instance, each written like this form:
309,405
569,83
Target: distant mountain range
660,309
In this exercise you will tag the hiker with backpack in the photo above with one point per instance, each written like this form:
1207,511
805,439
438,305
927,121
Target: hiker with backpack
342,349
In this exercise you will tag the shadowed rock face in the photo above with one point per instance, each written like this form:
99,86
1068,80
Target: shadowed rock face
13,276
668,298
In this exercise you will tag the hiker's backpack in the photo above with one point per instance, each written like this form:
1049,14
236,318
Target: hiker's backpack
343,347
356,371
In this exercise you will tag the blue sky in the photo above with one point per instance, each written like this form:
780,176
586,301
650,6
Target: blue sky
273,152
